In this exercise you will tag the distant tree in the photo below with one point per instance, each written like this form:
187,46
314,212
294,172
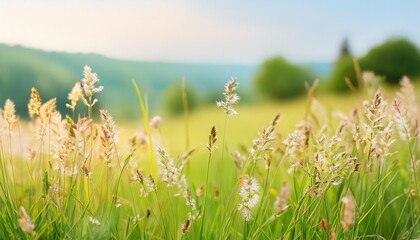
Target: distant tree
279,79
345,48
173,99
343,69
393,59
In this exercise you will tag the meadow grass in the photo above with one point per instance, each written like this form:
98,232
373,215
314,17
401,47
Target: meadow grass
324,167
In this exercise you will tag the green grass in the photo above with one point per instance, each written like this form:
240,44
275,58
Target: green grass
307,163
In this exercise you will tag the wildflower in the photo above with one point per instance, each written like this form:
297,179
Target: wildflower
136,218
261,145
31,153
47,109
249,195
216,191
281,203
155,122
403,121
231,98
138,176
149,185
199,192
375,111
407,94
80,132
371,80
94,220
168,171
239,159
212,140
185,227
25,222
378,130
86,172
74,96
296,143
34,103
89,81
324,224
109,136
193,214
349,212
117,202
9,112
63,144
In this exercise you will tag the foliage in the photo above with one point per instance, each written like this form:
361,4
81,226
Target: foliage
344,69
393,59
279,79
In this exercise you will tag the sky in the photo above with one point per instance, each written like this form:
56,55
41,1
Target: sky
217,31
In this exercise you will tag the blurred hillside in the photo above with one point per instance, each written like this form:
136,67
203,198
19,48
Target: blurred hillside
55,73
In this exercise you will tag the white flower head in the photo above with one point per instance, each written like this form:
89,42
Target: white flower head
74,96
168,171
249,195
155,122
9,112
89,81
94,220
25,222
231,98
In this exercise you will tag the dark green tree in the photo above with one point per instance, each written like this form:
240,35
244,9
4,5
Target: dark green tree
393,59
279,79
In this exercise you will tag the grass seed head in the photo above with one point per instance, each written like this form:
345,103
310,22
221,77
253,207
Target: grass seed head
90,79
35,103
155,122
47,109
231,98
9,112
249,196
349,212
168,171
75,95
25,222
94,220
281,203
212,140
324,224
185,227
108,136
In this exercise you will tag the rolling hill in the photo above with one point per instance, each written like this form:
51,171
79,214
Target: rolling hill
54,74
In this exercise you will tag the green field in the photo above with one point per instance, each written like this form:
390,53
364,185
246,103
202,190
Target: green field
322,170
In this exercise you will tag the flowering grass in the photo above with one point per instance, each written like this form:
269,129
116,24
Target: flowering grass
333,176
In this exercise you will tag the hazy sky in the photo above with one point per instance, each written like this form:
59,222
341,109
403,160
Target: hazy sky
245,31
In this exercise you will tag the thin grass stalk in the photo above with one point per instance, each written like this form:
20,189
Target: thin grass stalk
264,193
145,113
186,114
222,164
205,197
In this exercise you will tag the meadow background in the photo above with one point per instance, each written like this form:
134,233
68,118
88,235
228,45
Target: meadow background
340,162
